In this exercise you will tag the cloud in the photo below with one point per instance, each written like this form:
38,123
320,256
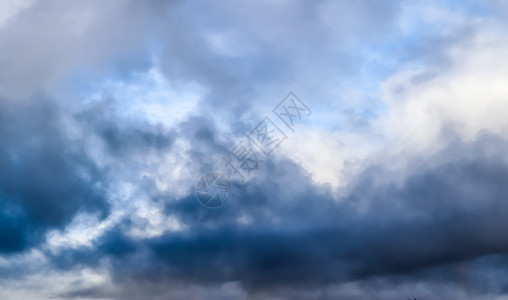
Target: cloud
394,188
298,235
45,179
55,43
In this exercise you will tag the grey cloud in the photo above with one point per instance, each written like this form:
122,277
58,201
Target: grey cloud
122,137
45,179
288,44
51,43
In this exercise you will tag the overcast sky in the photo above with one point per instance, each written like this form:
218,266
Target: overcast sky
386,178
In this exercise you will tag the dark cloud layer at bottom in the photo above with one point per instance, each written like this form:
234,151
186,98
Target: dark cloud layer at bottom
450,210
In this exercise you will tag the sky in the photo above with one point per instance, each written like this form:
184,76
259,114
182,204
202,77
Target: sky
253,149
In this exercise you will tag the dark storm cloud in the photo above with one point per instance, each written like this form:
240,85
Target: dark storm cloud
449,209
45,179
